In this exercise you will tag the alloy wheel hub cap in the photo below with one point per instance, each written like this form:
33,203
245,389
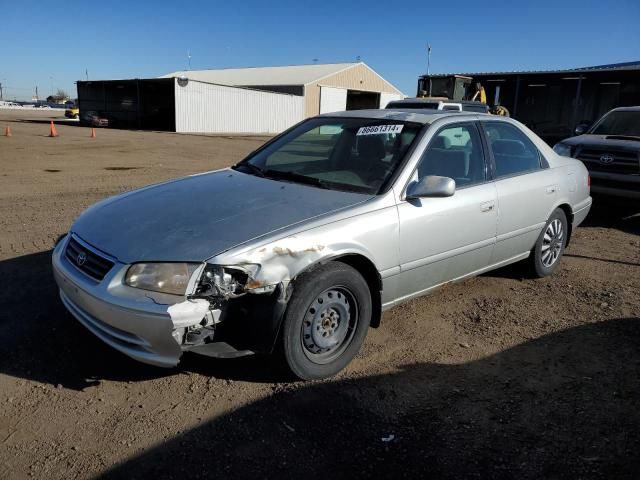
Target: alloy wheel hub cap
552,243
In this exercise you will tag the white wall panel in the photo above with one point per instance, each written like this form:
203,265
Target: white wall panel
333,99
208,108
388,97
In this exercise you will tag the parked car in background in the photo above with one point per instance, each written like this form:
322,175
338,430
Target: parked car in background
437,104
301,246
610,149
73,112
96,119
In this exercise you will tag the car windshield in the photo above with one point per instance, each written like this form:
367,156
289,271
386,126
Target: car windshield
619,123
352,154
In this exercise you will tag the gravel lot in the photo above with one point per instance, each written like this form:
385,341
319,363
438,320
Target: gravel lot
500,376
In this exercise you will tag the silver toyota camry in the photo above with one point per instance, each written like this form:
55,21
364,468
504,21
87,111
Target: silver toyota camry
300,247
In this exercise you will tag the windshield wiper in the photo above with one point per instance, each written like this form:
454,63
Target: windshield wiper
296,177
251,167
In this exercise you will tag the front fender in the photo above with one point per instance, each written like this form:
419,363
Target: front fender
373,235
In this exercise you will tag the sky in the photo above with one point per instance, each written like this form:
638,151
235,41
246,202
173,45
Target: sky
112,39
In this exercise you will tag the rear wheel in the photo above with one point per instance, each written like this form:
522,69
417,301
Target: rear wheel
550,245
326,321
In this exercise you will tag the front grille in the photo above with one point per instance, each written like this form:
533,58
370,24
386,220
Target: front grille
623,161
617,184
86,260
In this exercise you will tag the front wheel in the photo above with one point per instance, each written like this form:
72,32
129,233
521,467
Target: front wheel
326,321
550,245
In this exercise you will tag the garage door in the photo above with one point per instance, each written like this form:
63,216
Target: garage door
388,97
333,99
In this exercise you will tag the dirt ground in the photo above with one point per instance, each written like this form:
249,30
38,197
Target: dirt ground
501,376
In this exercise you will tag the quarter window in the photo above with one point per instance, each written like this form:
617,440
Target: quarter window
513,152
455,152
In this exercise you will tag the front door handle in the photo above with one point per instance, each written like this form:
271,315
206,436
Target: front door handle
487,206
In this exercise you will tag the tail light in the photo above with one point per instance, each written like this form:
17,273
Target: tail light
589,181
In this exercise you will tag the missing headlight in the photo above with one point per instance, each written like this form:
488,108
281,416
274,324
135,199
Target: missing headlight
226,281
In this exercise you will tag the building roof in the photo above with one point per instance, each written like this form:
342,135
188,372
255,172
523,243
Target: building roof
596,68
258,76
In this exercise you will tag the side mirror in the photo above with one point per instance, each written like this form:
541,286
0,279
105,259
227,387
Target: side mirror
431,186
582,128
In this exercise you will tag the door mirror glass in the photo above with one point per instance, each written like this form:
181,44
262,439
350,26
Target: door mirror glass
431,186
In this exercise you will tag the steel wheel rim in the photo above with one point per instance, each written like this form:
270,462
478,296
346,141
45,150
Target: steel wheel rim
329,325
552,243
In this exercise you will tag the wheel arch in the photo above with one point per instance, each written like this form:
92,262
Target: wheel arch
568,211
369,272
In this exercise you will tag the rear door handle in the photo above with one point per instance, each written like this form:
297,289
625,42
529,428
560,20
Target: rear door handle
487,206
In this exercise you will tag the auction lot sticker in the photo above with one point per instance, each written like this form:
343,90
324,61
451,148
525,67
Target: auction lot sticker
379,129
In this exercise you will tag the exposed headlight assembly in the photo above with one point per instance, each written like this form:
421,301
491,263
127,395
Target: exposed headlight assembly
562,149
161,277
228,281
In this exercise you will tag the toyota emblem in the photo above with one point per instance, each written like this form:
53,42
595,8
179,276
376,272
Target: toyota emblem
606,158
82,257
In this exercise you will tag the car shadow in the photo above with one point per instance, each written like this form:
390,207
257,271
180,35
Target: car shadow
611,213
56,120
561,406
41,341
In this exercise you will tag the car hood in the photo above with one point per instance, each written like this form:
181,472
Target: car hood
603,141
197,217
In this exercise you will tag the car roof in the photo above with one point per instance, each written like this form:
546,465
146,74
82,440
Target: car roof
429,116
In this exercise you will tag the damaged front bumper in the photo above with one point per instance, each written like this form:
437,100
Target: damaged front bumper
133,322
155,328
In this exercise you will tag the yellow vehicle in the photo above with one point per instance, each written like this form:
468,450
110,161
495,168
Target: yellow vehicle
73,112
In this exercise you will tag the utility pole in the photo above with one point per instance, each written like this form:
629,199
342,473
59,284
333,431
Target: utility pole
1,95
189,59
428,59
86,73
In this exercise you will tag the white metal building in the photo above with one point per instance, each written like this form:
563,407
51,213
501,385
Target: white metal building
238,100
325,87
209,108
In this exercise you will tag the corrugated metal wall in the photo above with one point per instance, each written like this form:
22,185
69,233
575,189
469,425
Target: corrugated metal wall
208,108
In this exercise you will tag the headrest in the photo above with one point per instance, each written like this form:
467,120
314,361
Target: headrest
508,147
371,147
441,142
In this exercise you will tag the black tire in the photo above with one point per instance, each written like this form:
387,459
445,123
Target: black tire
331,303
545,256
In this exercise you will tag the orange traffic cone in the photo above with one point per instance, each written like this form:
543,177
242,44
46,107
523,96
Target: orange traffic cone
52,130
7,132
93,133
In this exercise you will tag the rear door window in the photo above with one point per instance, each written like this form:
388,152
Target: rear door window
513,152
